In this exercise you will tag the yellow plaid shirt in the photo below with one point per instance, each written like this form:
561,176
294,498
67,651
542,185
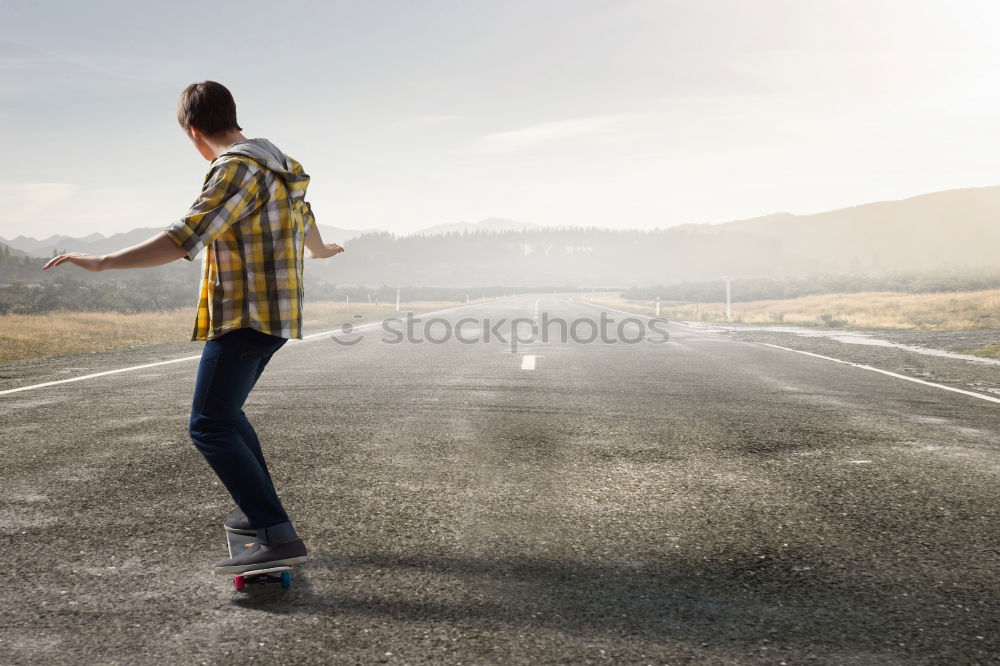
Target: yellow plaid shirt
251,218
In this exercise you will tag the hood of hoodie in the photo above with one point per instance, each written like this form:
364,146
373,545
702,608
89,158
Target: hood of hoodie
270,156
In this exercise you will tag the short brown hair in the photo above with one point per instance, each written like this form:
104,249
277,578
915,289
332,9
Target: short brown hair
207,106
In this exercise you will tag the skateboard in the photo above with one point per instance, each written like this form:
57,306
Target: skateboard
282,574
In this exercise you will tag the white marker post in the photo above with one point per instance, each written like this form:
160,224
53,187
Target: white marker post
657,306
397,300
729,298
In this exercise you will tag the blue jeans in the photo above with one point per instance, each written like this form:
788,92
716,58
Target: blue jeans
229,368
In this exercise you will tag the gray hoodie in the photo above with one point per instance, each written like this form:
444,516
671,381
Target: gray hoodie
270,155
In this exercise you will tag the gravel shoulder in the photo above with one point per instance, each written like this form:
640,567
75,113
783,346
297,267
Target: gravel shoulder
912,353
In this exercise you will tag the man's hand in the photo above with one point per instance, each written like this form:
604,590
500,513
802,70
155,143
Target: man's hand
315,246
329,249
90,262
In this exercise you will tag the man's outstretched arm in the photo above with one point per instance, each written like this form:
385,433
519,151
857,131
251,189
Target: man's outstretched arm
158,250
229,194
316,248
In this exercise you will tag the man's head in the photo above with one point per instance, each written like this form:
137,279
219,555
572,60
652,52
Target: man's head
206,112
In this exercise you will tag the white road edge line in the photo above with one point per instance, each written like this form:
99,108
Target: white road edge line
981,396
605,307
307,338
634,314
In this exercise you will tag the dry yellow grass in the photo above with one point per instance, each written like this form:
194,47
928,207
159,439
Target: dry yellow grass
878,309
68,332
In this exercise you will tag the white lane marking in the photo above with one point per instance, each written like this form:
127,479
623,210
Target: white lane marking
636,314
988,398
307,338
670,321
97,374
528,362
605,307
312,336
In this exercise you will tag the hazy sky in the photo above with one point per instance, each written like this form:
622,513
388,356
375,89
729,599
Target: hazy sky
619,113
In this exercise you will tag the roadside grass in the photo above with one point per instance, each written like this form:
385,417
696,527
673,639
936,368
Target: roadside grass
31,336
952,311
990,351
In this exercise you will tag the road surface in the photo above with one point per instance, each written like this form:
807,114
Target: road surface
705,500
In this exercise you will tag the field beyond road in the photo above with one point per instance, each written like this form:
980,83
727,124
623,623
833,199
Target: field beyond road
33,336
946,311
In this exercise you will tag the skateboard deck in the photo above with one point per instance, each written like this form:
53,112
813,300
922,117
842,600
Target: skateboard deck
281,574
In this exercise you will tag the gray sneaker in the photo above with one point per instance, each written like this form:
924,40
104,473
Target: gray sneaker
237,523
259,556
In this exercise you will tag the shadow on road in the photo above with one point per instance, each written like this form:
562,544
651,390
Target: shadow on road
753,602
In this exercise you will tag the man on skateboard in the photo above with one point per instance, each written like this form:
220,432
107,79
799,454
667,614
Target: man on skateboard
255,225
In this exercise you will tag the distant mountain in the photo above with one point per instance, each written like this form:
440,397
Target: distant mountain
339,236
12,251
489,224
951,229
97,243
37,247
955,230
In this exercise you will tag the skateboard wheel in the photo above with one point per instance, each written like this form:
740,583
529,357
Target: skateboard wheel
239,582
286,579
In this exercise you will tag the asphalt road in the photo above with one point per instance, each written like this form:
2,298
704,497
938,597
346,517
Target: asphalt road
707,500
